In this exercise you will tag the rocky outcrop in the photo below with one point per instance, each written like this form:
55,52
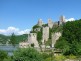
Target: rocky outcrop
55,37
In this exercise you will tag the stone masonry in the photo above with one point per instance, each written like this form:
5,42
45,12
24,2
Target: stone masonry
40,22
32,39
45,35
50,23
62,20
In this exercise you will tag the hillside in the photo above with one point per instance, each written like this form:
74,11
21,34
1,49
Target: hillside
70,41
19,38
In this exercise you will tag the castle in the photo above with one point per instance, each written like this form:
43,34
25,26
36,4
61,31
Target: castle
32,37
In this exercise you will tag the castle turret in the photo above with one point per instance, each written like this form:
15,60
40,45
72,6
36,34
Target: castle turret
62,20
40,22
50,23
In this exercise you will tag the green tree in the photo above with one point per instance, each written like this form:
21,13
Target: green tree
3,55
70,42
63,45
13,39
27,54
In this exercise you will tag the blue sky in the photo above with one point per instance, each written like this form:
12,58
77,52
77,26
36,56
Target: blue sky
23,14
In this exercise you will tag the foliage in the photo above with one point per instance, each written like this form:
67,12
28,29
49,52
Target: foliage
27,54
48,59
13,39
70,42
36,26
45,55
39,36
7,59
71,56
48,43
19,38
44,25
3,55
60,58
63,45
3,39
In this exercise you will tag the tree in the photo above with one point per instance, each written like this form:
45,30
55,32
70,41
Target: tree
70,42
13,39
3,55
27,54
63,45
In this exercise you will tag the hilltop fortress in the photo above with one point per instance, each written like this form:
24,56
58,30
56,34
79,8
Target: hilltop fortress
42,33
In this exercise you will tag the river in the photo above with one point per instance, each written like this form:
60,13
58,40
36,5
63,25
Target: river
9,48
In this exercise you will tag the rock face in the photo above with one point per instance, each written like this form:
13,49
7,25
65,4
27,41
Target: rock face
50,23
55,37
32,39
45,35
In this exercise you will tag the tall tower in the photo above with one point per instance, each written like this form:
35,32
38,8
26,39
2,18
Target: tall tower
50,23
45,35
62,20
40,22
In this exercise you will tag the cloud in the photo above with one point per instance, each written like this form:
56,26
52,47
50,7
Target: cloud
15,30
70,19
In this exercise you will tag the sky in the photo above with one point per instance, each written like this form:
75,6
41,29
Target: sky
20,15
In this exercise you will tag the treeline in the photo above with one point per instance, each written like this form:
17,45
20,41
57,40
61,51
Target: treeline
70,41
18,38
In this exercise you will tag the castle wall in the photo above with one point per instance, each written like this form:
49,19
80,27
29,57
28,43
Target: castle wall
32,38
24,44
45,35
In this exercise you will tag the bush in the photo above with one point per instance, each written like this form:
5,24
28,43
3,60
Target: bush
59,58
27,54
70,42
3,55
71,56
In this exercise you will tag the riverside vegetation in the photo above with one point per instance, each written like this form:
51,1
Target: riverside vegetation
69,43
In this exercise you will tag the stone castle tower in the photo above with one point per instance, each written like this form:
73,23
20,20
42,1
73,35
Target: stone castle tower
40,22
62,20
50,23
45,35
32,39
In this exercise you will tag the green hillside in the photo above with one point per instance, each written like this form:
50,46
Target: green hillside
18,38
70,42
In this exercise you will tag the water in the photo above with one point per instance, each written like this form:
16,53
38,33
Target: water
9,48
